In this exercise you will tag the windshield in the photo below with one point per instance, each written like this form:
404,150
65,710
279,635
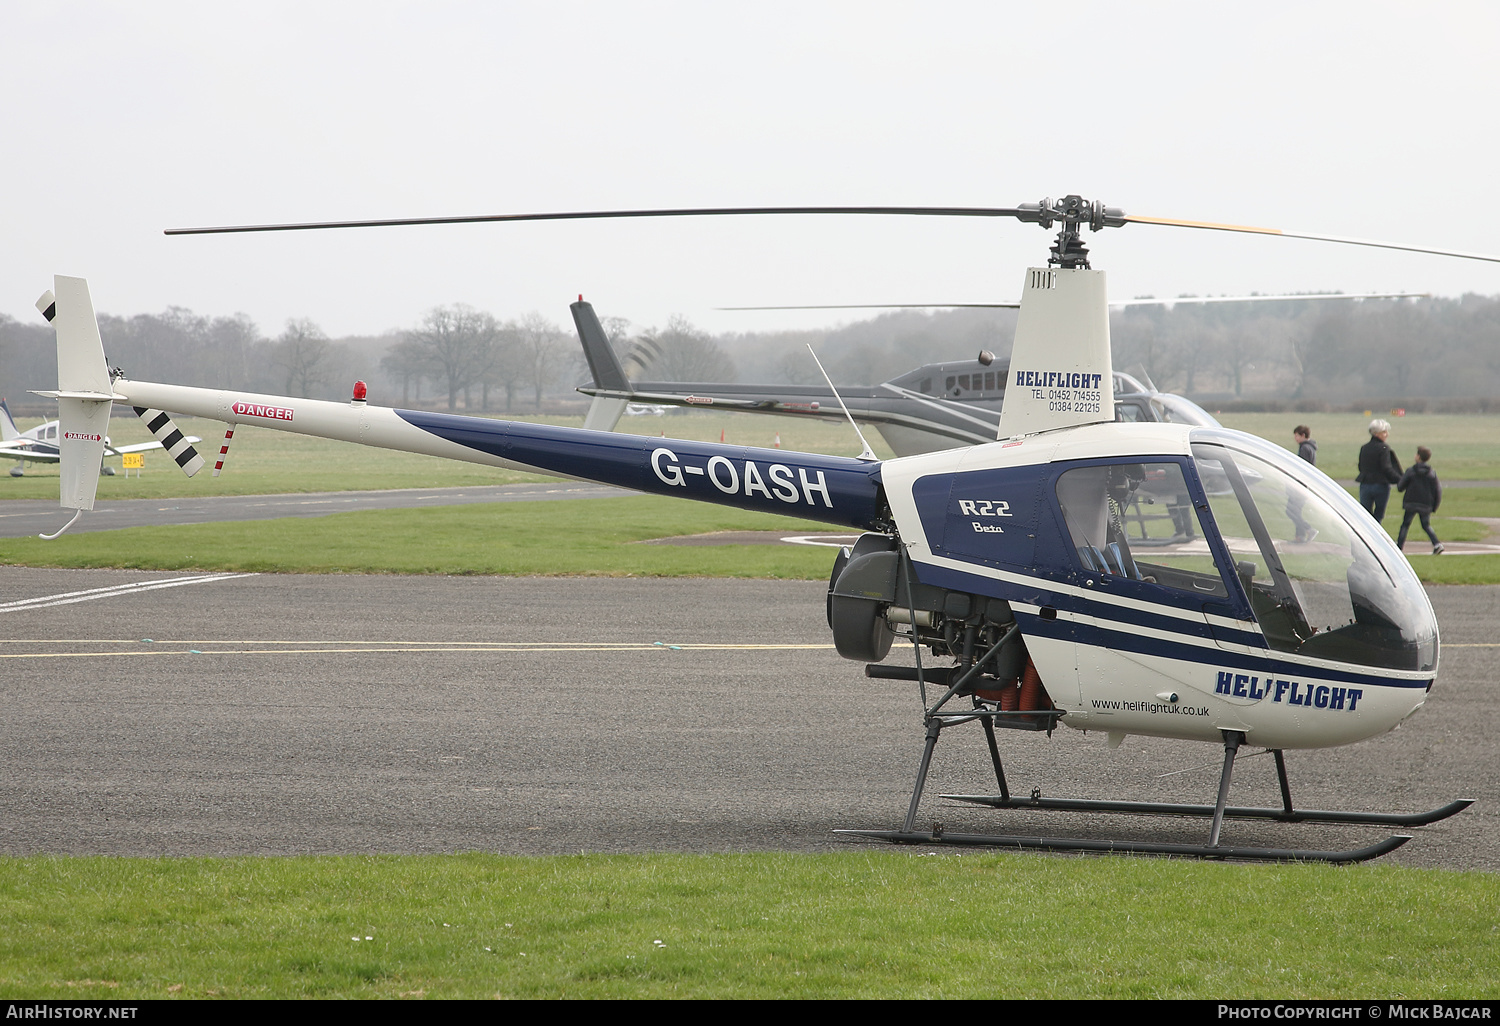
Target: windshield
1319,583
1174,409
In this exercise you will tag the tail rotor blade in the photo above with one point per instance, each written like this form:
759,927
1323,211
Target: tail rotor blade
171,439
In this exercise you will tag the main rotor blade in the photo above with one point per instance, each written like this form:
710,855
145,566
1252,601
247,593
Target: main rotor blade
587,215
1047,213
1374,243
1291,297
1169,301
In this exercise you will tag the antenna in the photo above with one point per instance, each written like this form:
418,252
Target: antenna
867,453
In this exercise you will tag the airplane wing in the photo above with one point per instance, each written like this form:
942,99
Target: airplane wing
28,453
120,450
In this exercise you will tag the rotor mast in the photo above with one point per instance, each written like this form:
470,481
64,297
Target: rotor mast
1073,212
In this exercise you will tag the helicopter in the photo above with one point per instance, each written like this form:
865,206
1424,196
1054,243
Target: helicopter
1008,563
935,406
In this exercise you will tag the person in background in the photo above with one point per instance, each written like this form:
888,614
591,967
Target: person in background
1423,493
1308,450
1378,470
1306,447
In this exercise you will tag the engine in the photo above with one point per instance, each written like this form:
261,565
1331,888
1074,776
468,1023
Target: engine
873,596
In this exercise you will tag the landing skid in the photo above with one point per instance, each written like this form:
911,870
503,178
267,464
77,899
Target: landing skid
1217,812
1200,851
1412,819
963,679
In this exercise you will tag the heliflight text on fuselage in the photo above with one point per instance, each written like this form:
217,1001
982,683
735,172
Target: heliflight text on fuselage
1320,696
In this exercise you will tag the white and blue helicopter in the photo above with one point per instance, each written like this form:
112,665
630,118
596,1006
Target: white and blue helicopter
1047,575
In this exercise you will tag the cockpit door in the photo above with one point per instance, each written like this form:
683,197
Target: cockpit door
1153,590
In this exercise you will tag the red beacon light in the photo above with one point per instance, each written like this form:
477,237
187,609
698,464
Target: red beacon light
359,394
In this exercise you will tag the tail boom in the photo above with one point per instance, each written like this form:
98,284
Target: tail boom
831,489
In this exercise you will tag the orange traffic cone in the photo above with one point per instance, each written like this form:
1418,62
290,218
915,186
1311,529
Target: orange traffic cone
778,439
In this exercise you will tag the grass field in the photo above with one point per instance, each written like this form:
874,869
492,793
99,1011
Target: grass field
480,540
1465,447
884,924
555,537
262,461
589,537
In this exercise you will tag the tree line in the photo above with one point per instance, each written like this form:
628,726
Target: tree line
460,357
456,350
456,357
1323,350
1307,351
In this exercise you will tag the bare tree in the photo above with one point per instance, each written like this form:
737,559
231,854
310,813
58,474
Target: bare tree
232,347
507,366
540,352
455,344
303,353
408,361
688,354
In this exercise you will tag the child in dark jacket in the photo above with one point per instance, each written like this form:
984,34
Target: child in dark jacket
1423,493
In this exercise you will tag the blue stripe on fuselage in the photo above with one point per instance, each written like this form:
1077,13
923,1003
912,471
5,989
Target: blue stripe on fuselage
832,489
1123,640
1114,629
1139,612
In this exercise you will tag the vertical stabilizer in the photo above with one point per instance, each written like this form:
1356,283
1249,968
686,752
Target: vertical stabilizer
84,392
603,363
80,443
80,351
604,412
8,429
1060,367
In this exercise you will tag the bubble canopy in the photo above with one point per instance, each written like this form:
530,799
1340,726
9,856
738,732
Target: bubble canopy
1324,580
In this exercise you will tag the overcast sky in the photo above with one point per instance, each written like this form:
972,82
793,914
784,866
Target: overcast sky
1364,119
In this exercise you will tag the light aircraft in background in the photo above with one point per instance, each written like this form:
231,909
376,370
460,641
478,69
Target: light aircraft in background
1006,566
40,444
